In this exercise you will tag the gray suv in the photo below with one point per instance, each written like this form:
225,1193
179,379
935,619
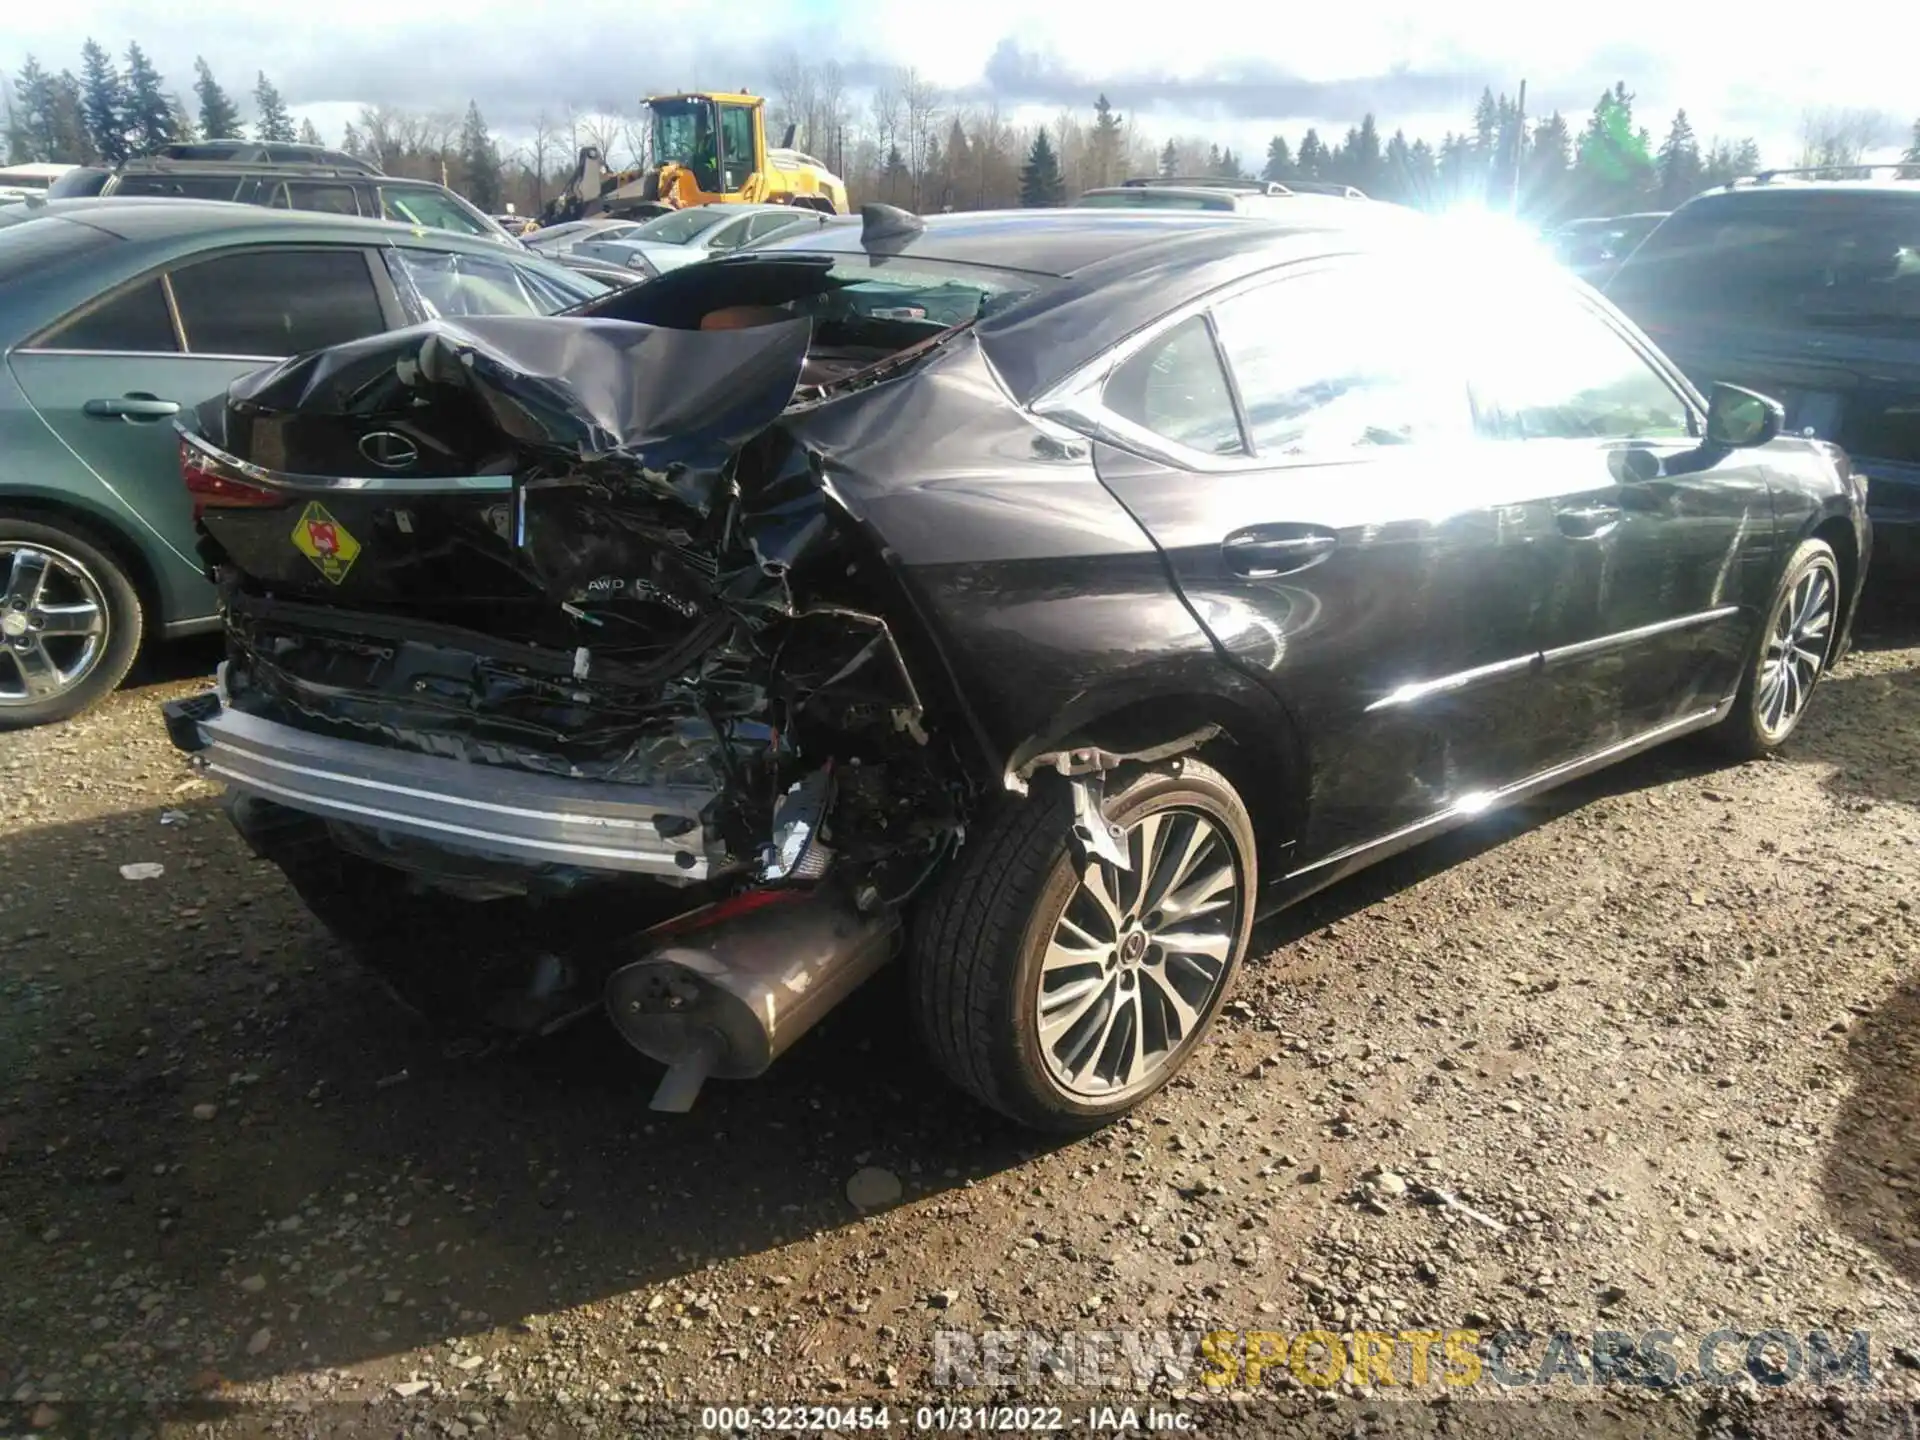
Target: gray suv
299,177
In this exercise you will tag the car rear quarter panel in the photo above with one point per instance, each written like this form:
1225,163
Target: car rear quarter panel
1049,608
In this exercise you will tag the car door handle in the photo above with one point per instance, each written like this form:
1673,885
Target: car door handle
1587,522
1277,549
136,406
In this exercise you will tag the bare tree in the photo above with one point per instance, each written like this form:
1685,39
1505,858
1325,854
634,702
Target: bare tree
920,104
884,108
606,131
830,117
544,143
1837,137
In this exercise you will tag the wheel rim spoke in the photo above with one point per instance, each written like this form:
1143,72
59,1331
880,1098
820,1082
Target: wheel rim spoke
1137,960
82,619
1796,651
38,673
27,578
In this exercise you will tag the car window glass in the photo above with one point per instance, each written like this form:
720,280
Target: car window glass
453,285
428,208
180,187
1175,388
305,195
135,321
1793,260
736,144
1546,367
1344,359
277,302
761,226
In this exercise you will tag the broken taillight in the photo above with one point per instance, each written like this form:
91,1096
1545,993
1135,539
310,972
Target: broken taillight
215,488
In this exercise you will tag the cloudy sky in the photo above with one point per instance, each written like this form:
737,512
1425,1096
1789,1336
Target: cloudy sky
1236,72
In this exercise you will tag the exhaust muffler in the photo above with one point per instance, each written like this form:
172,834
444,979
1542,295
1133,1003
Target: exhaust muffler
726,990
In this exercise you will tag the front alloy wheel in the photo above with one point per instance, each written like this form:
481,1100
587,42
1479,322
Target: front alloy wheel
1790,654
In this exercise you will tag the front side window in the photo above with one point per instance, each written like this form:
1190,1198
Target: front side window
452,285
134,322
430,209
1350,358
273,303
1176,389
728,237
677,227
306,195
1545,366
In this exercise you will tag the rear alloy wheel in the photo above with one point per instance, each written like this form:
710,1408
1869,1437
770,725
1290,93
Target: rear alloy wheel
70,623
1062,989
1791,654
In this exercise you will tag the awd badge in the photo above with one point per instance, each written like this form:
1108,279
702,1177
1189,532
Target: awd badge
326,542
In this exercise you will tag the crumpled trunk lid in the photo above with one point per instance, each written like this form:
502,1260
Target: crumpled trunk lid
441,471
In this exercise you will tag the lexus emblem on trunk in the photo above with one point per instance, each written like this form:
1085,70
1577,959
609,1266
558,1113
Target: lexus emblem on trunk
390,450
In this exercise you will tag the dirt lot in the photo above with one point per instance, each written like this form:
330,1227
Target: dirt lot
1638,1057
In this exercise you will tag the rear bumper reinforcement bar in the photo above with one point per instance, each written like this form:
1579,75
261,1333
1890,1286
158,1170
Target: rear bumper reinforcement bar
484,809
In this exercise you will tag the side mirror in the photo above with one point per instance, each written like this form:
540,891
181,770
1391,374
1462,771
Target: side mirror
1741,419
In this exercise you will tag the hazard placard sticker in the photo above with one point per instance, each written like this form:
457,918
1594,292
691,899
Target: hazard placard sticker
326,542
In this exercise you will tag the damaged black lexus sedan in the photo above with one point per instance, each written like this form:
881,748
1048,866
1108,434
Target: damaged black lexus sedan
1039,596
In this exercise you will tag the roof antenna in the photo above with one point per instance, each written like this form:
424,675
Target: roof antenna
887,222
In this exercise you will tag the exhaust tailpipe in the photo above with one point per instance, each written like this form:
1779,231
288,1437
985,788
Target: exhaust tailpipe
724,991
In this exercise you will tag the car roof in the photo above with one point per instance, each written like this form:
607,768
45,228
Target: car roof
1798,188
1056,243
165,217
1115,270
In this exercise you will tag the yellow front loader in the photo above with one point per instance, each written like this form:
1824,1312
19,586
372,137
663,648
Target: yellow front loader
708,148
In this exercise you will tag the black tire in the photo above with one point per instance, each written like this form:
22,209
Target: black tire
1746,733
81,559
975,969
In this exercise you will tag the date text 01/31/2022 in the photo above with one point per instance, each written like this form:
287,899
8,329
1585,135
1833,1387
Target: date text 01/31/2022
990,1419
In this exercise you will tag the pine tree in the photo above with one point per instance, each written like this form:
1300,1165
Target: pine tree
103,104
1040,182
219,116
479,161
1169,160
1279,160
309,135
1311,161
72,144
1396,167
183,126
273,125
1362,159
1910,162
1678,164
1613,161
1106,143
1227,167
148,116
1486,124
19,143
32,114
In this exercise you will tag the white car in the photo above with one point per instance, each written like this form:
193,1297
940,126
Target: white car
682,237
23,182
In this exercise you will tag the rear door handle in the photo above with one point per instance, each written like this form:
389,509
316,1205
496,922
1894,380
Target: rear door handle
134,406
1587,522
1269,550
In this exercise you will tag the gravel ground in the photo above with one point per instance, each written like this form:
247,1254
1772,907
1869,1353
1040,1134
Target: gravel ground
1637,1057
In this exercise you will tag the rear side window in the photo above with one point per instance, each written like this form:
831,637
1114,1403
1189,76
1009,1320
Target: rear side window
1351,358
179,187
274,303
1796,260
430,209
1175,388
134,322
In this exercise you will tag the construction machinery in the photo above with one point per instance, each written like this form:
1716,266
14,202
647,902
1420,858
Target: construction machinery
705,148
